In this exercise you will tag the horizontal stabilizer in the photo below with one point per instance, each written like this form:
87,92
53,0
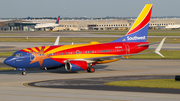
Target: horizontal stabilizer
153,43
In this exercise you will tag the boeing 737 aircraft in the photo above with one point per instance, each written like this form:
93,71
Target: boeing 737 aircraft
85,56
48,25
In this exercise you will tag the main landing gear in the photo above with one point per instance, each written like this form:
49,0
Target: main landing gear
24,73
90,69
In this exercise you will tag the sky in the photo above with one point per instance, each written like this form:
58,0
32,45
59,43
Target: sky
88,8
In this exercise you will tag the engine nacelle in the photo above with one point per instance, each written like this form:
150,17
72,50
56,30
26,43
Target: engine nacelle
76,65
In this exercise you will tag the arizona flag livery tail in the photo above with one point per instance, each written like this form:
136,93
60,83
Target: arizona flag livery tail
139,30
57,22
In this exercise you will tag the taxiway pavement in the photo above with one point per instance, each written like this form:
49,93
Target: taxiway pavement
12,88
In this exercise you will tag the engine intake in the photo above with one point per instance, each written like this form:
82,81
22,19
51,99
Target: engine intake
76,65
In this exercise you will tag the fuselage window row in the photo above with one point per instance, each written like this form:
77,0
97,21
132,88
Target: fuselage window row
81,52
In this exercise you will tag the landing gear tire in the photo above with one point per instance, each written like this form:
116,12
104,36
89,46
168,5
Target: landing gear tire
91,70
88,69
24,73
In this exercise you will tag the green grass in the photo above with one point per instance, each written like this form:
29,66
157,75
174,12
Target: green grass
83,40
6,68
6,53
168,54
154,83
10,35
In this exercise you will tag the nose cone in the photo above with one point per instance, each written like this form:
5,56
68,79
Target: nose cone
8,61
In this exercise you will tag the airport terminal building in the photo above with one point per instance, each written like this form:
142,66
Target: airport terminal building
83,24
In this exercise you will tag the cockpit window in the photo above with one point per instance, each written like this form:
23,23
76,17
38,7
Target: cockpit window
17,55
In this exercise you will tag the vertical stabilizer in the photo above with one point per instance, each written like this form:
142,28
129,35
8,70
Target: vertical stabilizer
29,18
57,21
139,30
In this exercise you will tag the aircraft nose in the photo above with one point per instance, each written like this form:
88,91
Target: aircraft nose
8,62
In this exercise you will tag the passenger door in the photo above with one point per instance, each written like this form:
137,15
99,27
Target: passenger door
127,49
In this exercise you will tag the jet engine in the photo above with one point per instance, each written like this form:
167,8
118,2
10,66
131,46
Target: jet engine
76,65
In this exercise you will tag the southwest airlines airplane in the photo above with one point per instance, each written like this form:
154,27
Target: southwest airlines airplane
85,56
48,25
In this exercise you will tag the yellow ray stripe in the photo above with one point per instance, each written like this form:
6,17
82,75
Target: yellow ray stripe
34,49
80,56
40,48
46,47
142,15
27,50
66,47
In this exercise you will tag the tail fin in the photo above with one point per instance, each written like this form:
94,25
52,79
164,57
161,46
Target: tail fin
57,21
29,18
139,30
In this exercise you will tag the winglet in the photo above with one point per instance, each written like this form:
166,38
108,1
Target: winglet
57,41
159,47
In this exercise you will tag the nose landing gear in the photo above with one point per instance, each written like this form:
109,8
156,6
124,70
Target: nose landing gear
23,70
24,73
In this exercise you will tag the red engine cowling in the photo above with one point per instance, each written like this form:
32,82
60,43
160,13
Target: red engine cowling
76,65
